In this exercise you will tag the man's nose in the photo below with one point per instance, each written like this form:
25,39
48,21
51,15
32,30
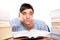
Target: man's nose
27,16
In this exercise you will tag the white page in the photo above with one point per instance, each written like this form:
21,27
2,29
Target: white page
31,33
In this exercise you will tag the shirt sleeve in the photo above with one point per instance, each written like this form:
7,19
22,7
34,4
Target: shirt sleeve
42,26
45,27
14,24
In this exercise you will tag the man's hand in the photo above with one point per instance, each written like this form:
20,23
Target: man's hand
20,17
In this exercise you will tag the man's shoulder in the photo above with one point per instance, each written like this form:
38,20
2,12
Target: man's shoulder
41,25
15,22
38,21
15,19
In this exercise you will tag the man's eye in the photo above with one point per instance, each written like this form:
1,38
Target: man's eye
31,13
24,13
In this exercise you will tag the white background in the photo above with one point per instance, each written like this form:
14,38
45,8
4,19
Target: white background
42,8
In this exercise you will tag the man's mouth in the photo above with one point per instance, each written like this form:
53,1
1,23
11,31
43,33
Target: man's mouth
27,20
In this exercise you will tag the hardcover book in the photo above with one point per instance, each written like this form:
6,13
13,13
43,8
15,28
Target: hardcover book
31,34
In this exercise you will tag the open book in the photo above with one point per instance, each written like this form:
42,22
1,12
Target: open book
31,34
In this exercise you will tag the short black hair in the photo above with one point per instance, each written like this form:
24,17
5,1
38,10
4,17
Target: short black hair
25,6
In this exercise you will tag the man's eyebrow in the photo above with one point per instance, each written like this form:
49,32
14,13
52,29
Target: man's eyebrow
31,12
23,12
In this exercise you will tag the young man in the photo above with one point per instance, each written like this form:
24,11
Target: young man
25,20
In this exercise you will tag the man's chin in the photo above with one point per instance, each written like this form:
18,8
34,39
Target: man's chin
27,23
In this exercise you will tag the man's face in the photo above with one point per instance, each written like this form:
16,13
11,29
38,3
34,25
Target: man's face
26,16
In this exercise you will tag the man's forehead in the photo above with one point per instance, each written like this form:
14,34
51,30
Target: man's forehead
27,10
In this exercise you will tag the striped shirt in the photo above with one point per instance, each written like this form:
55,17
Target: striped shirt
38,25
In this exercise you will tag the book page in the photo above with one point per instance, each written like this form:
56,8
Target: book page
31,33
